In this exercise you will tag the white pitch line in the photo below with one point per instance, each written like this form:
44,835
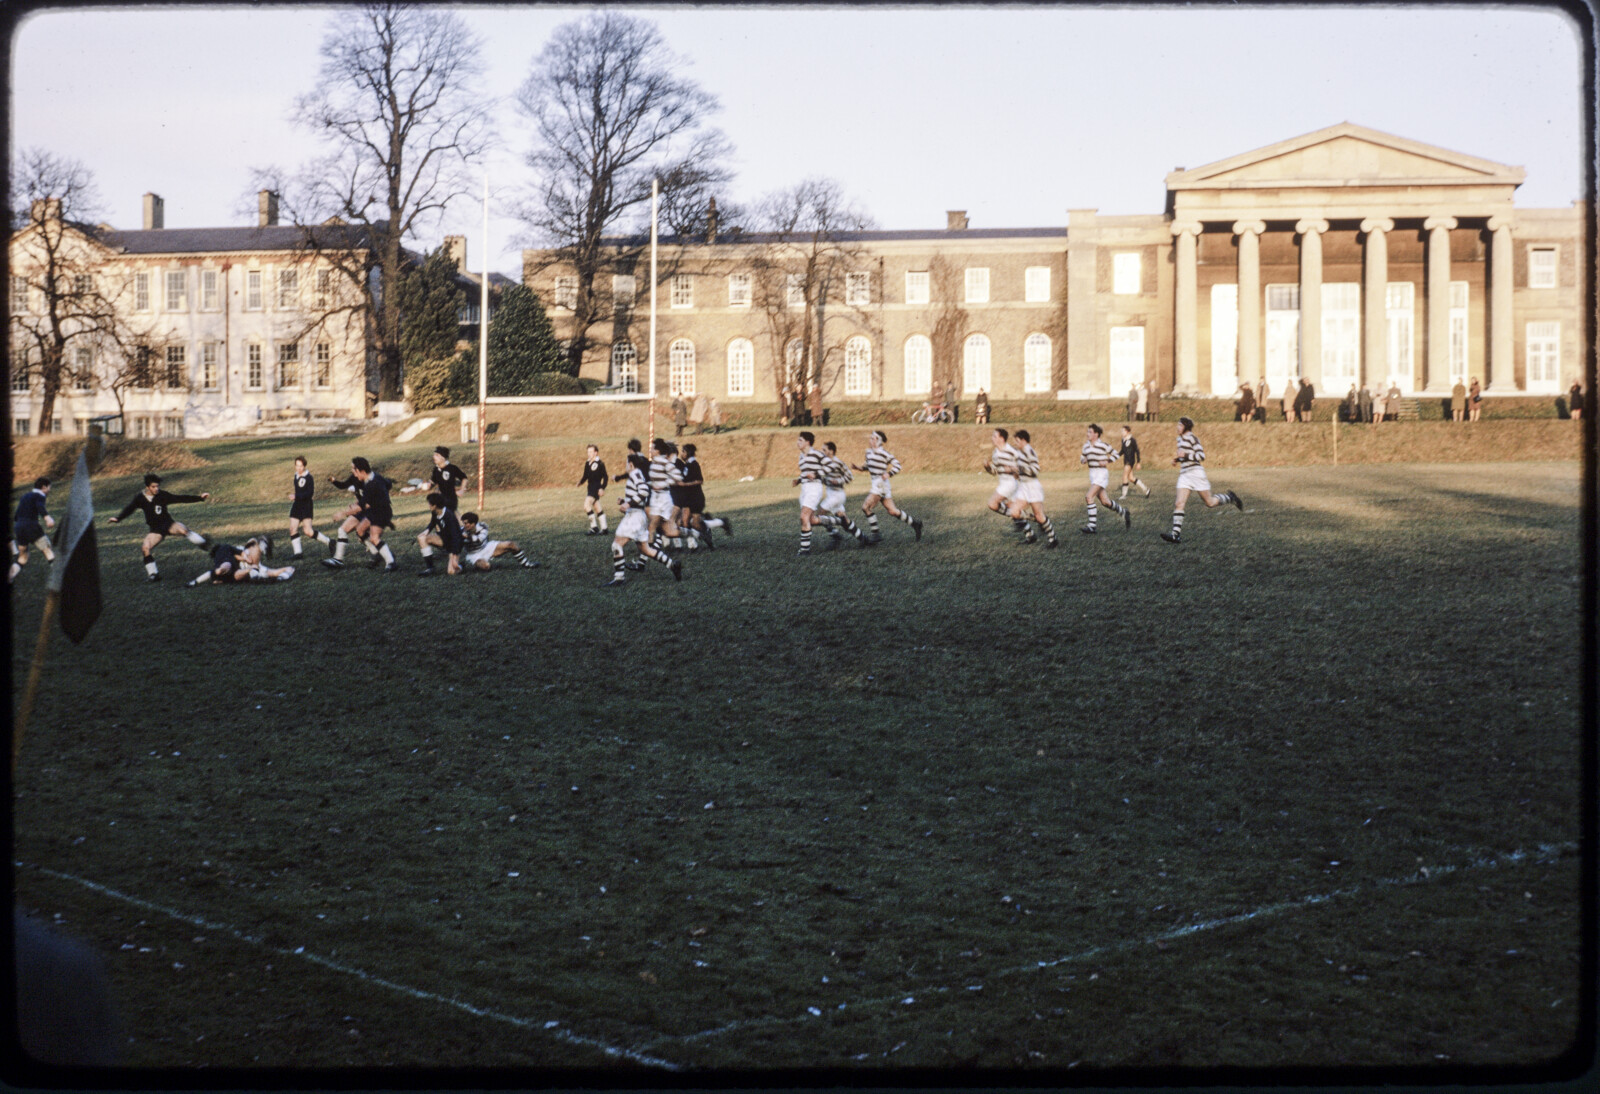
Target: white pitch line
1545,851
553,1027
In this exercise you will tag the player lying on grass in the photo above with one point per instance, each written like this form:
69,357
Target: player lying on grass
1030,492
635,525
1192,476
443,532
881,466
232,564
1098,455
477,548
28,527
155,503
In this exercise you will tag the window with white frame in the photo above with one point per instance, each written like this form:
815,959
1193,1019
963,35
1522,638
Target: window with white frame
1036,364
19,295
1282,343
141,292
858,366
738,290
322,367
975,363
82,284
918,355
680,367
288,364
977,284
142,368
20,427
625,367
794,291
683,291
1458,331
82,368
623,287
323,292
254,376
1541,267
567,292
21,374
80,424
1127,357
794,359
177,297
57,424
741,367
141,427
210,370
172,426
288,289
1125,273
1036,284
1544,355
177,373
1341,335
858,289
1398,299
917,291
252,290
209,300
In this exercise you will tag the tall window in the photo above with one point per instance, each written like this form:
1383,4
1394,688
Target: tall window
1225,340
977,285
177,374
324,288
625,367
142,367
794,290
288,364
680,367
1283,334
917,287
858,289
739,290
19,295
82,368
1541,267
1036,362
1125,273
1544,356
177,291
1036,284
919,365
141,292
1127,357
975,363
858,366
1398,301
20,427
567,293
208,290
210,374
741,367
252,290
1341,335
288,289
20,375
683,290
253,376
623,286
322,366
1458,331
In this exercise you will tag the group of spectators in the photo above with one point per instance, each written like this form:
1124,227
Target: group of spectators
1296,402
703,414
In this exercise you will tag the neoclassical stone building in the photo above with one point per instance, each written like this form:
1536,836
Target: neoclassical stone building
1345,256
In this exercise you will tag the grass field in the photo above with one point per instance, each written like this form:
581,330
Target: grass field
1303,791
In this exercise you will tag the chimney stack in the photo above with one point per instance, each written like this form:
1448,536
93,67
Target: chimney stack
154,212
956,220
266,209
711,221
456,248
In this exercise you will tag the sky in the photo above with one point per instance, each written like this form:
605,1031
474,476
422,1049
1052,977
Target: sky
1014,114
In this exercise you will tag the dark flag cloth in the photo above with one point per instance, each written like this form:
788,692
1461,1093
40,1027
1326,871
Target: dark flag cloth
76,573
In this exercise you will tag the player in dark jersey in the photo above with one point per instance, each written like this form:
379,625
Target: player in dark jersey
155,503
446,479
1130,464
690,498
236,563
300,510
444,532
28,526
373,513
594,480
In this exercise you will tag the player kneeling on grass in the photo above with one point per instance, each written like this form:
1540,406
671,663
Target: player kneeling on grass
1192,476
635,525
155,503
1030,492
477,548
1098,454
880,467
444,532
28,526
236,563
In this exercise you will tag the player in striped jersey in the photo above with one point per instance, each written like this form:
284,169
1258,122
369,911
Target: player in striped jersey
1192,476
665,472
1097,454
1002,464
1030,491
880,467
834,477
690,498
635,523
477,548
1130,463
811,488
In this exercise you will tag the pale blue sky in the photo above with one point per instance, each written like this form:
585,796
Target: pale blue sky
1014,114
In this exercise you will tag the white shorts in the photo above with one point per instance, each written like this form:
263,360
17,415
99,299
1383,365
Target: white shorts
811,495
482,554
1006,486
833,499
882,488
1029,491
633,525
1194,478
1099,476
661,504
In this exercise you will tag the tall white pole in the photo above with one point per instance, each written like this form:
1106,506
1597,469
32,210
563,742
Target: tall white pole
483,345
655,194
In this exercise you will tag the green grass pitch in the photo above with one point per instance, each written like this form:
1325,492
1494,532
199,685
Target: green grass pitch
1300,791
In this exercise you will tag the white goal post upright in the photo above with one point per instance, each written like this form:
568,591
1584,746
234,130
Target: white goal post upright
655,193
483,344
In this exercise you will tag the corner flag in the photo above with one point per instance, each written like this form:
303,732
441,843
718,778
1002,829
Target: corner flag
75,577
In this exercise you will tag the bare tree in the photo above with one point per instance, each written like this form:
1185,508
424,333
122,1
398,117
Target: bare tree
64,317
399,103
800,281
610,113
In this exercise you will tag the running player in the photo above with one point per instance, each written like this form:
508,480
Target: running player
232,564
372,513
446,478
880,467
692,508
1030,492
835,474
594,481
477,548
1192,476
1130,463
156,503
664,475
1002,464
635,524
28,526
811,487
1097,454
305,489
444,532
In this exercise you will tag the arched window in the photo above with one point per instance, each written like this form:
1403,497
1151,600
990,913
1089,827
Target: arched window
793,360
858,366
975,364
741,367
919,366
680,368
625,367
1036,363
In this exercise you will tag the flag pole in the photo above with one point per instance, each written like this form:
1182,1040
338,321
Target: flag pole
483,345
51,598
655,192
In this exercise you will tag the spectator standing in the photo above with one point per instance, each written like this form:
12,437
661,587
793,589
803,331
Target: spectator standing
1458,402
1245,408
1394,400
1474,400
1305,400
1380,407
714,416
1352,408
950,398
1133,402
1287,403
1262,391
1152,404
697,415
1575,400
1364,403
680,415
1141,405
981,407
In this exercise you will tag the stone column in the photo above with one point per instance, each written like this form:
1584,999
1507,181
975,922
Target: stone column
1185,326
1311,300
1086,369
1500,372
1375,304
1438,356
1249,233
